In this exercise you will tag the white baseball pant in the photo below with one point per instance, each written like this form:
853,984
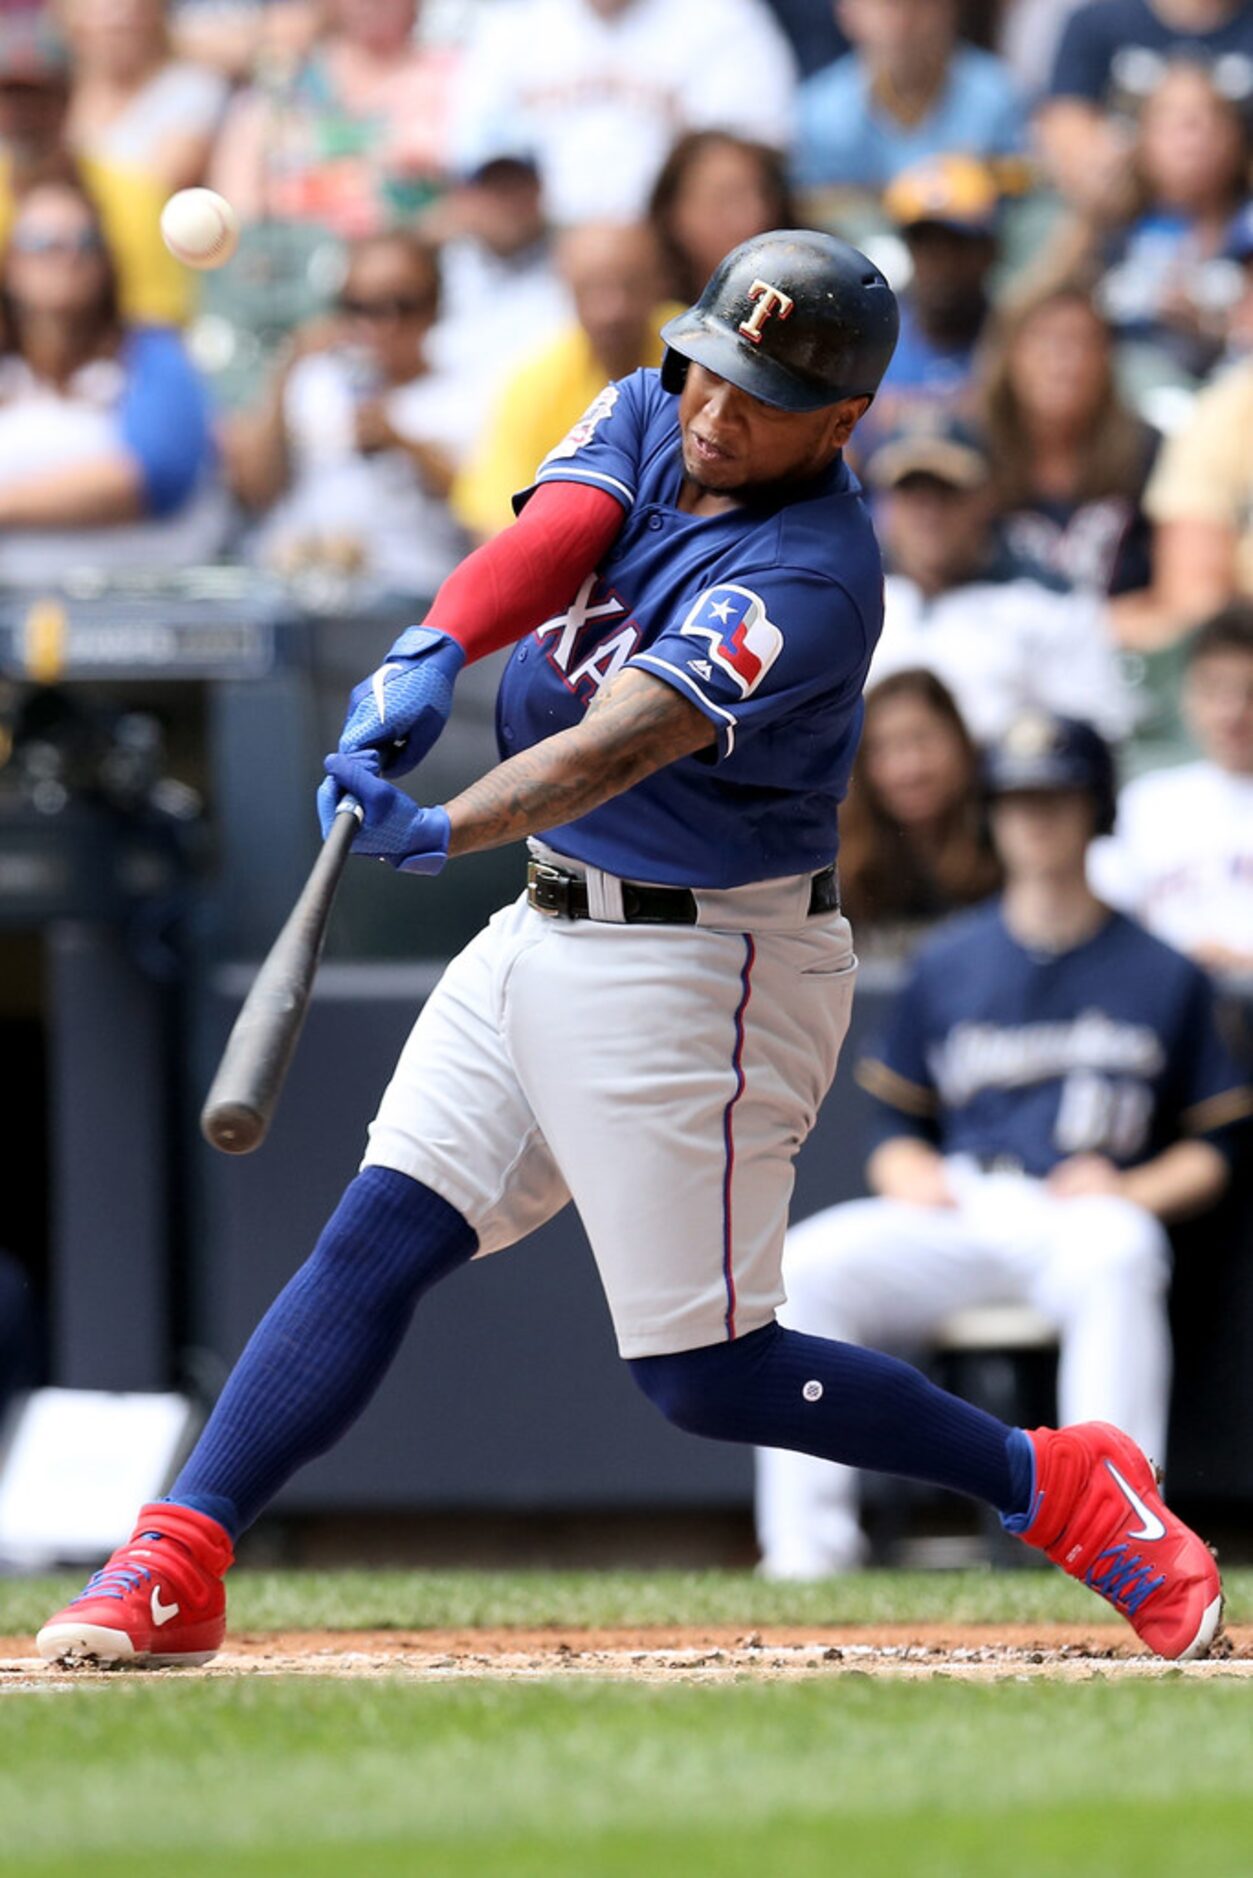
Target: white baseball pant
662,1077
884,1274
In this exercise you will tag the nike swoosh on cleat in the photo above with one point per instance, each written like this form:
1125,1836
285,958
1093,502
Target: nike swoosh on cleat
377,683
161,1613
1152,1527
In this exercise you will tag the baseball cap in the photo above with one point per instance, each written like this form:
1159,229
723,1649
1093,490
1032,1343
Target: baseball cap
930,443
501,166
1239,243
1043,751
31,49
954,192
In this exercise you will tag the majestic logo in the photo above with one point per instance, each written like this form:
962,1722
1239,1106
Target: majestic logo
770,301
161,1613
1151,1527
742,641
583,432
587,619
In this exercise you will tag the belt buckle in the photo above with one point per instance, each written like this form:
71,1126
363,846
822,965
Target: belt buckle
540,877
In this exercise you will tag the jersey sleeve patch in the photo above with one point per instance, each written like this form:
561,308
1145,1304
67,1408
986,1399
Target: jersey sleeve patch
582,433
741,639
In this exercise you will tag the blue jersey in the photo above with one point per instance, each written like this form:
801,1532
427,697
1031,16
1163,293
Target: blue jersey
764,616
1110,1048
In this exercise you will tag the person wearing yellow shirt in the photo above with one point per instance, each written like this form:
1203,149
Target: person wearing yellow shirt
34,97
613,272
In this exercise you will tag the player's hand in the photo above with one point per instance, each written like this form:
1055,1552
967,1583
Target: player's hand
1082,1174
1223,960
912,1172
393,828
398,711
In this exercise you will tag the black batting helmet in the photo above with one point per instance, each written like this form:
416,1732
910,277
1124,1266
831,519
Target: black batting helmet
795,318
1042,750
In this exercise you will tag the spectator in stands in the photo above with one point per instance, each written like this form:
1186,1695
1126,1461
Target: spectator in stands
34,97
106,458
1050,1092
502,292
714,192
1000,632
355,445
1181,855
613,273
1028,38
1200,496
1069,459
909,90
1112,55
600,89
132,102
947,214
813,33
351,139
1239,254
913,835
1159,245
238,37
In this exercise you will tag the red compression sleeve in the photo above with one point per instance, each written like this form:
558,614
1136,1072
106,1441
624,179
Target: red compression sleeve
528,572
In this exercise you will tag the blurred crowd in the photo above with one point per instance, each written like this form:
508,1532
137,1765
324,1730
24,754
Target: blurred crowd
460,217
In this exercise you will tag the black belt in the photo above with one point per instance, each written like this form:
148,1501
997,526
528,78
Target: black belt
564,896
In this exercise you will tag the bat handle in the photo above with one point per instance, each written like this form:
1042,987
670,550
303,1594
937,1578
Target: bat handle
245,1089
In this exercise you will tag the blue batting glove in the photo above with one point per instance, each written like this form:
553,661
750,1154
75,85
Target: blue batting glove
400,710
393,827
331,793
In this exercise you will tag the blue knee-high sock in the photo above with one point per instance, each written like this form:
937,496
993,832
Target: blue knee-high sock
778,1388
324,1345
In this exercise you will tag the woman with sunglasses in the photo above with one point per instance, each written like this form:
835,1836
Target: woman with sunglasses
353,453
106,456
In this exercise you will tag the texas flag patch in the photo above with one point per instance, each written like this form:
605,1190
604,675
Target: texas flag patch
742,641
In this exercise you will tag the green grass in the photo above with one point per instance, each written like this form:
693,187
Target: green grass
367,1600
949,1780
830,1777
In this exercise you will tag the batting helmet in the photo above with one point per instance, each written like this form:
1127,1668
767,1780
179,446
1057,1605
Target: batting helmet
795,318
1043,751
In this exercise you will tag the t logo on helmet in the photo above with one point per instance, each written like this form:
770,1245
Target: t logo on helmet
770,300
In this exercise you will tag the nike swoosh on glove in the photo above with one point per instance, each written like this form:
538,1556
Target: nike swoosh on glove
393,828
400,710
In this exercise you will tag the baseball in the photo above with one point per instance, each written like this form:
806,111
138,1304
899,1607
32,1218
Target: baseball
200,228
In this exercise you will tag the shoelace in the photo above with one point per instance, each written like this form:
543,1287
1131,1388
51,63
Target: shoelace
112,1581
1126,1580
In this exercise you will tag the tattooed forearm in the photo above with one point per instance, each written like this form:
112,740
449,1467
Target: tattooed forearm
637,725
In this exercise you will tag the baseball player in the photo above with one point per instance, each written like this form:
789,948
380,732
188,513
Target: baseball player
694,592
1050,1089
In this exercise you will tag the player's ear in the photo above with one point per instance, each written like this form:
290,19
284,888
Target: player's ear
844,417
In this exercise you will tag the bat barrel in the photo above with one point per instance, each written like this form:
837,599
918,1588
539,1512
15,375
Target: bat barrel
241,1099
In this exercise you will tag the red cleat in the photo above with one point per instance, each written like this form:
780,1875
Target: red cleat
159,1602
1097,1513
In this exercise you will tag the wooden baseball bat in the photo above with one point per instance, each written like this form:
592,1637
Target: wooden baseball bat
242,1097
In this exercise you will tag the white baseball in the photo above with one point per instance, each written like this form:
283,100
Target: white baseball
200,228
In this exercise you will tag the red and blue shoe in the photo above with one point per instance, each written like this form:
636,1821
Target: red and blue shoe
158,1603
1095,1510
